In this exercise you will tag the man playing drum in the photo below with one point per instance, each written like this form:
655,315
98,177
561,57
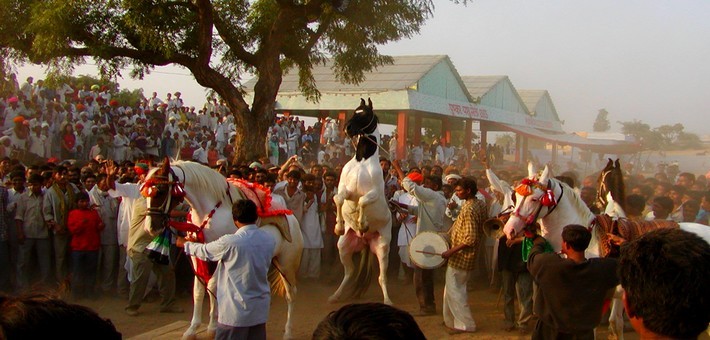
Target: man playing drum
466,235
429,210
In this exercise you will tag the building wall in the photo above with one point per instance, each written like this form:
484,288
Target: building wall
503,96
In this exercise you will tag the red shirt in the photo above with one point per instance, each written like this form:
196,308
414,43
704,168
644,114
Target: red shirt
69,140
85,227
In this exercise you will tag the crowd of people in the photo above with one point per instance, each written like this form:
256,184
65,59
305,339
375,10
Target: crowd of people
73,217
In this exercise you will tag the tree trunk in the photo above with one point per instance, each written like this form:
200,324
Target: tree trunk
250,141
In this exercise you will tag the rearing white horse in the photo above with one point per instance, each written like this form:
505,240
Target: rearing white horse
566,208
363,217
211,197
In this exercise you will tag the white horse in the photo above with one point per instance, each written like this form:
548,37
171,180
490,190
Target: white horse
363,217
568,208
211,197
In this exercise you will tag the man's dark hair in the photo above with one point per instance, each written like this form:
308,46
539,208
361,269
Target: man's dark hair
636,202
35,178
295,174
576,236
308,177
384,159
244,211
42,317
688,175
435,180
17,174
664,201
665,276
468,183
368,321
679,189
81,195
330,174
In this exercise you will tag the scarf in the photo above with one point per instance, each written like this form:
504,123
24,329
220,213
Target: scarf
63,207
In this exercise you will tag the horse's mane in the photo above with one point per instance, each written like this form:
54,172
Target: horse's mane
204,180
576,201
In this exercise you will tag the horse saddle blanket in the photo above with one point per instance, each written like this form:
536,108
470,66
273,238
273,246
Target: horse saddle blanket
626,228
268,214
280,222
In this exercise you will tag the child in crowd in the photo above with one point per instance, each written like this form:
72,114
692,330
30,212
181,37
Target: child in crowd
85,226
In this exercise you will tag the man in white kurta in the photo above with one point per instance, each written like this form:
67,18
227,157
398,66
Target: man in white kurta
243,293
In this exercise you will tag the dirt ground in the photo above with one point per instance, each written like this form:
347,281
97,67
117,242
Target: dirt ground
312,306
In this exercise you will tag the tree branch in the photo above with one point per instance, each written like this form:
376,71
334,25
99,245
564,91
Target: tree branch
204,36
232,41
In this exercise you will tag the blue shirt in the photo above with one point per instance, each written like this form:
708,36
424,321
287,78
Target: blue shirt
243,291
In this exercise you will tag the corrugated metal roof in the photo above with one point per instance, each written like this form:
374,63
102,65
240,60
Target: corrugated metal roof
531,98
404,72
478,86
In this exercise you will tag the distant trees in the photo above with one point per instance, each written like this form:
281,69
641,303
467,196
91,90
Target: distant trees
664,137
601,124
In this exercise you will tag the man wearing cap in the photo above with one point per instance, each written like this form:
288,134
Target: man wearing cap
429,211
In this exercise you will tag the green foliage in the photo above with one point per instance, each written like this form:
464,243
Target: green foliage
505,139
218,41
129,97
55,80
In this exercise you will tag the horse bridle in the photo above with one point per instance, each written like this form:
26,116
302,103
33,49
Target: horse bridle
175,191
530,219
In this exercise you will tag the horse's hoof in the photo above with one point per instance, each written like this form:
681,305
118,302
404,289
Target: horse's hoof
388,302
211,334
189,337
333,299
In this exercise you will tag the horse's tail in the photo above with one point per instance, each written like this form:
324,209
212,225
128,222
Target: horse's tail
363,277
277,280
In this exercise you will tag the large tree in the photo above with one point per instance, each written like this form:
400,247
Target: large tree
219,42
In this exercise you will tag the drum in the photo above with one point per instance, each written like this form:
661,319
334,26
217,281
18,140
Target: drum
426,248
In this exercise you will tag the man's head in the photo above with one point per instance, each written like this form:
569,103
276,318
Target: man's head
293,177
664,274
588,195
662,207
244,212
685,179
35,182
330,179
368,321
432,182
575,237
466,188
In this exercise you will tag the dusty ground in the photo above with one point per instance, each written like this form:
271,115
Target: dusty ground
312,306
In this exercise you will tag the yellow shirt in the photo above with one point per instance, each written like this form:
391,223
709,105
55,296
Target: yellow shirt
468,230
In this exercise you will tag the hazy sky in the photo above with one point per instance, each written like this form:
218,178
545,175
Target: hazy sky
641,59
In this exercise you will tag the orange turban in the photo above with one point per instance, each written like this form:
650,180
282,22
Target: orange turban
416,177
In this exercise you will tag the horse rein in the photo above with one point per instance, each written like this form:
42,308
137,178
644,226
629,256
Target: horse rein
530,219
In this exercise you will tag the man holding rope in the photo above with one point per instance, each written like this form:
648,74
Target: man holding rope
243,291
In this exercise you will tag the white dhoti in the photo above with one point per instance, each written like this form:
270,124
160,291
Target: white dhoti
310,263
457,314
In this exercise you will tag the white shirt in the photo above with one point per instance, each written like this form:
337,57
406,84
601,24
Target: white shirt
243,292
129,193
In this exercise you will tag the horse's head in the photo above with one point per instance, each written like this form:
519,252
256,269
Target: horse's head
531,195
163,191
610,184
362,129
